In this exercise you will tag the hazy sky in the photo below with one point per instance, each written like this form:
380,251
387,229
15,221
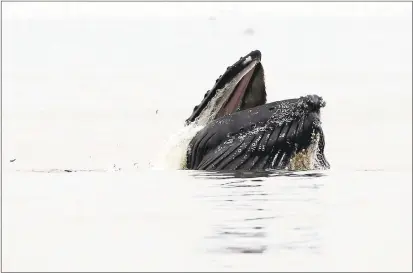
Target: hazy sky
99,71
62,10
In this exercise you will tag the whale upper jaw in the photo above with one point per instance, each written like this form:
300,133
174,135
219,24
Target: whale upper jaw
242,86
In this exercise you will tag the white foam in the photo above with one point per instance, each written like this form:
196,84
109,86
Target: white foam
173,155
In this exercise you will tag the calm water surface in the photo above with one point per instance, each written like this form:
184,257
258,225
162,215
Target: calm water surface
159,220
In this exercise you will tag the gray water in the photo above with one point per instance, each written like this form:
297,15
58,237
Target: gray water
93,93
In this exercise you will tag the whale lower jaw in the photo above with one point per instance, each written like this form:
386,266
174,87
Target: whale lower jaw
304,160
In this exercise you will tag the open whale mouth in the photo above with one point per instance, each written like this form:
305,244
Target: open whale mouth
238,89
242,86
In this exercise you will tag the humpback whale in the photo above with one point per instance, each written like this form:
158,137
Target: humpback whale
241,131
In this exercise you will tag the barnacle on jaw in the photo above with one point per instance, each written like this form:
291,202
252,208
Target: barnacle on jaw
306,159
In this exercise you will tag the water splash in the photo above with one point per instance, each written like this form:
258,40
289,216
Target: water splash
173,154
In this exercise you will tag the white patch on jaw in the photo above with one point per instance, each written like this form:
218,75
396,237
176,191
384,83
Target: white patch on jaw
273,160
247,60
221,96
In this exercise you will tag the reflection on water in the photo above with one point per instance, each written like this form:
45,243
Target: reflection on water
255,174
262,211
190,220
246,212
